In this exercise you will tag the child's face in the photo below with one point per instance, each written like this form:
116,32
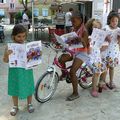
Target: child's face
96,25
76,22
20,38
114,22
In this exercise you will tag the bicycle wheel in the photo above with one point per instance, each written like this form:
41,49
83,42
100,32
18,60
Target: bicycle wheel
46,86
85,77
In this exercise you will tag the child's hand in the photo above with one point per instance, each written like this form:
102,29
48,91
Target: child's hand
6,55
103,48
73,41
9,52
89,50
108,38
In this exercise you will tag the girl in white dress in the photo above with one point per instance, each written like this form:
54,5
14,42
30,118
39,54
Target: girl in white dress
97,40
111,54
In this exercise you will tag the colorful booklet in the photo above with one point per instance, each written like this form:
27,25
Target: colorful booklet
65,38
25,55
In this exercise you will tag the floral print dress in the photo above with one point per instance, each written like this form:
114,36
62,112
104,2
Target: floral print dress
97,40
111,56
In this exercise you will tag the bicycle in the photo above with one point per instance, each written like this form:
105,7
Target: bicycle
48,82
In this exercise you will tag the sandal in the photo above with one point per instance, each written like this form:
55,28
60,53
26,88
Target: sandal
111,85
94,93
72,97
14,110
102,87
30,108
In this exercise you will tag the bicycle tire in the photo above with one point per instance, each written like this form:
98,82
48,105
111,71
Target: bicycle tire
85,77
40,86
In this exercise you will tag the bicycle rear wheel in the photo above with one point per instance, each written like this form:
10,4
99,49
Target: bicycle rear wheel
46,86
85,77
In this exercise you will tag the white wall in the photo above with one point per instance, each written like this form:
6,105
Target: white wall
99,10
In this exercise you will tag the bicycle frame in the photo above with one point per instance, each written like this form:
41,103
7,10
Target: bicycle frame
52,68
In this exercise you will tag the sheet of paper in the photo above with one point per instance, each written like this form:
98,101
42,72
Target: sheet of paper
33,53
69,36
25,55
18,57
98,34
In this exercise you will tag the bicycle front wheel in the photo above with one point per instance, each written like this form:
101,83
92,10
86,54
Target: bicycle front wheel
85,77
46,86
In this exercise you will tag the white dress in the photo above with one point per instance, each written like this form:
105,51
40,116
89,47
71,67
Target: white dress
111,56
95,60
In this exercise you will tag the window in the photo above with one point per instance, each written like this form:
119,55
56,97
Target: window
2,13
1,1
36,12
11,5
44,12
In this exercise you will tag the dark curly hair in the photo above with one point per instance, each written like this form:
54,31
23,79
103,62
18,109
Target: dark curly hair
78,15
111,15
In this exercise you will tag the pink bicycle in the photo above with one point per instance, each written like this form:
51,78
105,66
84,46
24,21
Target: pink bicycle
48,82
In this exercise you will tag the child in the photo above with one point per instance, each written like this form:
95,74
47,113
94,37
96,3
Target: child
80,56
111,55
95,60
20,81
79,28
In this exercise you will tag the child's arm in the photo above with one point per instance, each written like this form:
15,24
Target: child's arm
6,55
108,38
103,48
118,40
85,40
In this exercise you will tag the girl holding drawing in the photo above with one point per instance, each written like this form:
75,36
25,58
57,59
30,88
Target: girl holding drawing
81,55
111,55
79,28
20,80
97,44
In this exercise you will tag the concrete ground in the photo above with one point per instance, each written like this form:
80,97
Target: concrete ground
105,107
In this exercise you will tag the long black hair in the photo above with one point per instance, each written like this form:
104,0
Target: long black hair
18,29
111,15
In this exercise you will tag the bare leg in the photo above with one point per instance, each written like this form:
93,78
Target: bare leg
15,100
63,59
102,82
14,110
29,99
111,85
111,74
95,79
30,106
103,77
76,65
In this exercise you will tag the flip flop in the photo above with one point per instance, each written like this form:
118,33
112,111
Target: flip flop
110,86
72,97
